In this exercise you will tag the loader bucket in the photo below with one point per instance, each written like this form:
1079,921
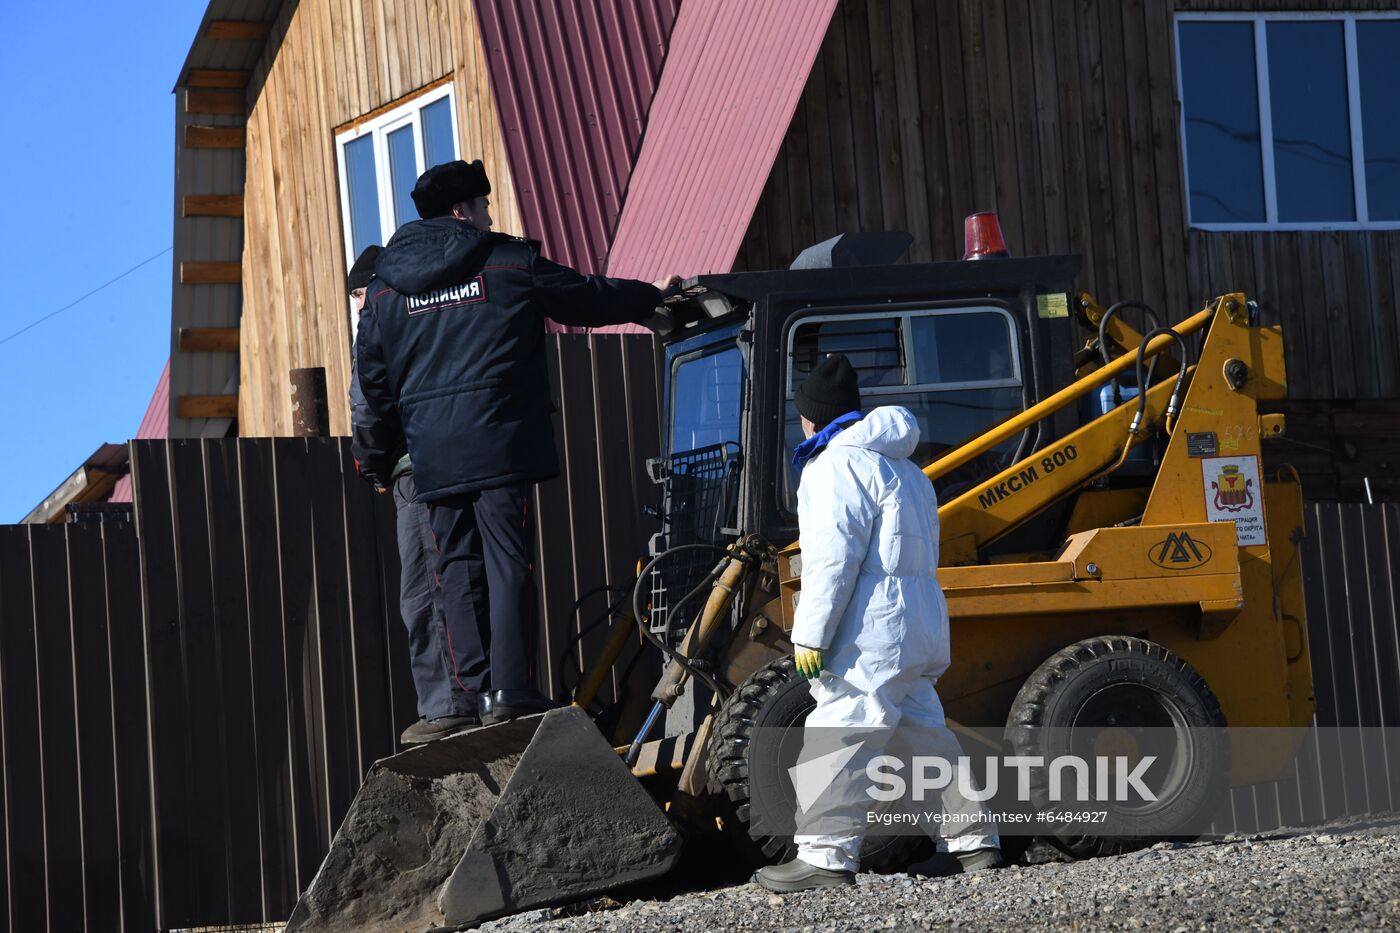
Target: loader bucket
529,813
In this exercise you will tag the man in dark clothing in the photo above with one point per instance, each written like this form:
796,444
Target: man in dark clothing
451,359
443,706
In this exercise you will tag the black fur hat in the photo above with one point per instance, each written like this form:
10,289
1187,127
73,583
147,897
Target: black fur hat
447,184
363,269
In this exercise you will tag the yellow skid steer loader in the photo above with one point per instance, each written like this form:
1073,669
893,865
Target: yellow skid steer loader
1103,501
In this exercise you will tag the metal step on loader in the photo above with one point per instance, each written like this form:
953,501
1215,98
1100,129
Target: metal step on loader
1104,497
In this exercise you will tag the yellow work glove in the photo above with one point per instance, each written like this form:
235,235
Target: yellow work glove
808,660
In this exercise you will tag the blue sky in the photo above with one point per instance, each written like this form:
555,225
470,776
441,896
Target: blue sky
86,181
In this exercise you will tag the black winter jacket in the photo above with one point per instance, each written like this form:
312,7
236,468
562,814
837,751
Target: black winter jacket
360,417
450,355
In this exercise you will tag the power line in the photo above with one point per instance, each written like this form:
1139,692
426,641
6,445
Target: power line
77,301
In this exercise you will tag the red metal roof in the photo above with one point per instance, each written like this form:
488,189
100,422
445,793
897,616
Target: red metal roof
734,75
154,424
573,81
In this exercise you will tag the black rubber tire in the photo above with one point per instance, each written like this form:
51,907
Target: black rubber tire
1061,690
777,696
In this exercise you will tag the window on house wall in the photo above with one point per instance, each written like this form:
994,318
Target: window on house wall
1290,121
381,158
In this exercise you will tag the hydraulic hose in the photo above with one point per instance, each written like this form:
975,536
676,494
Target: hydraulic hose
1144,376
566,653
1144,371
641,616
1113,309
1149,316
704,586
658,707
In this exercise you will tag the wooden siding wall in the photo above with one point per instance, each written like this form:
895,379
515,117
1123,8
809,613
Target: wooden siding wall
1062,116
327,63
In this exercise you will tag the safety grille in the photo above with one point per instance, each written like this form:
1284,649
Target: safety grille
699,505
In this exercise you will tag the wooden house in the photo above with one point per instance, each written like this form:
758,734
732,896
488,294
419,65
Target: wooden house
1167,141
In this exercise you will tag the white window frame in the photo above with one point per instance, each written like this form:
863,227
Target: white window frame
1266,130
407,113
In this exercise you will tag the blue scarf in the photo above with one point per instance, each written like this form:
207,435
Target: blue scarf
815,444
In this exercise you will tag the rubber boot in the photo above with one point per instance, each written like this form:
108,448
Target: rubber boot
798,875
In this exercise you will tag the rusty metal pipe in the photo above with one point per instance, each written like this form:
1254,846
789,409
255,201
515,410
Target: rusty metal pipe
310,410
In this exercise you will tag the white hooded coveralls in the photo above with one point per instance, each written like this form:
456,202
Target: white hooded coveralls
870,600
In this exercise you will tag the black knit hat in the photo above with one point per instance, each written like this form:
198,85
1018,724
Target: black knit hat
447,184
363,269
831,391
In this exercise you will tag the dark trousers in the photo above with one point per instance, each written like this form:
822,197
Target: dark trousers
486,553
438,693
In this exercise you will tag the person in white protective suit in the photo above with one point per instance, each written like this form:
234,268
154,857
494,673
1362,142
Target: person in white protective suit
871,626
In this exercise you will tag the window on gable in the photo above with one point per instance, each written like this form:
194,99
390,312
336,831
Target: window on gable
1290,121
382,158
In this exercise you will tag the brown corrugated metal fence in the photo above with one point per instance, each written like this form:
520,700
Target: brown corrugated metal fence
187,706
73,731
272,639
1353,590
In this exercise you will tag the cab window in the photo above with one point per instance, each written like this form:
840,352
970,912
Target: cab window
958,370
707,391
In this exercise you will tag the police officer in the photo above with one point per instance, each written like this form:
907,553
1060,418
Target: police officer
451,358
443,707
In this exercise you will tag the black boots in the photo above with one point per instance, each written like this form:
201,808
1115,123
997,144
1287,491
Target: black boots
501,705
942,864
429,730
492,707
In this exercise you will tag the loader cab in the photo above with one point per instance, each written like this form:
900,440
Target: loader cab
961,344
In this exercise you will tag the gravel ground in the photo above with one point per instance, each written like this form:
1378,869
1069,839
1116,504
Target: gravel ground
1314,881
